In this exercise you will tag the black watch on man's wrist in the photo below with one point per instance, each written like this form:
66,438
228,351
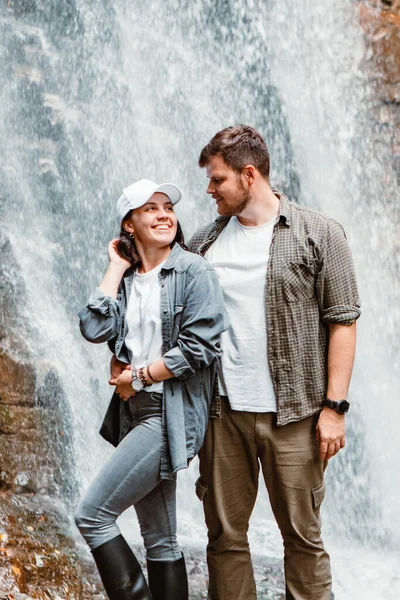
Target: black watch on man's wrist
340,406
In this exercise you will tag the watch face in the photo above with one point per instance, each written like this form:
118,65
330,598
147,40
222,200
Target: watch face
137,385
343,406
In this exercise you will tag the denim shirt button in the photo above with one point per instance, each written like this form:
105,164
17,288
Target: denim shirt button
165,311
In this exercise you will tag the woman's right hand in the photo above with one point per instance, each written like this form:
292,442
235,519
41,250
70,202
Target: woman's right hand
115,271
114,257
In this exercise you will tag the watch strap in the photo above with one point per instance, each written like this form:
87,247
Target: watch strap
340,406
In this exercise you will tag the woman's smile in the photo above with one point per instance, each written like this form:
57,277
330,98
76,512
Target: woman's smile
162,226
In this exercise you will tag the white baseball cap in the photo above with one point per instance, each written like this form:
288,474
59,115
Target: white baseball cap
139,193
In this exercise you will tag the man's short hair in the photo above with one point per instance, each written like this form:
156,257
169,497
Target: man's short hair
238,145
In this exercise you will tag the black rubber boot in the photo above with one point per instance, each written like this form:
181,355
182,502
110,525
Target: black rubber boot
120,571
168,580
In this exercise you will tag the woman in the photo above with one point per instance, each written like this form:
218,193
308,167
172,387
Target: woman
160,308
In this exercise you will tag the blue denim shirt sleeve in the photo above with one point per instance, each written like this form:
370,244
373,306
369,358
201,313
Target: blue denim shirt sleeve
99,321
203,319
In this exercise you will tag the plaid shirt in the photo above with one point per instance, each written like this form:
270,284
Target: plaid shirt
310,284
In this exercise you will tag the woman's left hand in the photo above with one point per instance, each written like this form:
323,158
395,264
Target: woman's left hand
123,385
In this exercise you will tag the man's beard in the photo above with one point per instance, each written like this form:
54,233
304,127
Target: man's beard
243,202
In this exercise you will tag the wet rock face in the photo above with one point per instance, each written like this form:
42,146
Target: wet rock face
35,432
380,21
35,459
37,558
36,552
383,32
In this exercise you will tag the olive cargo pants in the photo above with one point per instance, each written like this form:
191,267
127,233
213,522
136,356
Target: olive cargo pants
235,447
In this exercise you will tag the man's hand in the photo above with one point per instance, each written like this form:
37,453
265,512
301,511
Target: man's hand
123,383
331,436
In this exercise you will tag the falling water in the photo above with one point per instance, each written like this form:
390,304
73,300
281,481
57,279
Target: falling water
107,94
329,107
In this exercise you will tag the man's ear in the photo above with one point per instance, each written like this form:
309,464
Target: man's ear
249,172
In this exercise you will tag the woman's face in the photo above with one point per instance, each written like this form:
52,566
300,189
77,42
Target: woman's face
155,223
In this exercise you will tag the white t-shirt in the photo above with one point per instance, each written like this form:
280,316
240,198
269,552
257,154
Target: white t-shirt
240,256
144,337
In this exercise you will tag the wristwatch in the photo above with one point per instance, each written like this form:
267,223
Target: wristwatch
340,406
137,383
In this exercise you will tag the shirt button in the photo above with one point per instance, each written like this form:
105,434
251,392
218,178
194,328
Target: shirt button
165,311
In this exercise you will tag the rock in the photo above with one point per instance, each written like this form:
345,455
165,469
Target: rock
381,25
35,434
18,381
35,431
383,32
38,558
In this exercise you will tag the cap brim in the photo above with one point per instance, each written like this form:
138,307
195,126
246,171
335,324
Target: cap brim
171,190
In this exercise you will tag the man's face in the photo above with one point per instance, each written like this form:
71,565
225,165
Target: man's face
229,189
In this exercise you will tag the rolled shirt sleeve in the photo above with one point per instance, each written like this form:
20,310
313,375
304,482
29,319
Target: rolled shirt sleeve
337,291
99,320
176,362
202,321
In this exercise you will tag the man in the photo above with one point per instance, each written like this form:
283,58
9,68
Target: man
291,296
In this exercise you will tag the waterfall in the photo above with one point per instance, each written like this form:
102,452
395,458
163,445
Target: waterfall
108,93
347,174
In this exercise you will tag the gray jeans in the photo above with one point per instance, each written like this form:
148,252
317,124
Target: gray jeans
132,477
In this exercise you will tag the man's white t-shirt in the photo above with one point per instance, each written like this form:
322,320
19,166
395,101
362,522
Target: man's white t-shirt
240,256
144,336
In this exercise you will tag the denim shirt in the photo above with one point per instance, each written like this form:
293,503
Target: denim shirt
192,320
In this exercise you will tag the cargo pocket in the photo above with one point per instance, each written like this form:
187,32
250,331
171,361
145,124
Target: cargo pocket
201,489
299,281
314,523
318,494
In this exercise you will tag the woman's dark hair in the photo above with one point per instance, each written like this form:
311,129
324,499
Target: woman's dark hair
127,248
